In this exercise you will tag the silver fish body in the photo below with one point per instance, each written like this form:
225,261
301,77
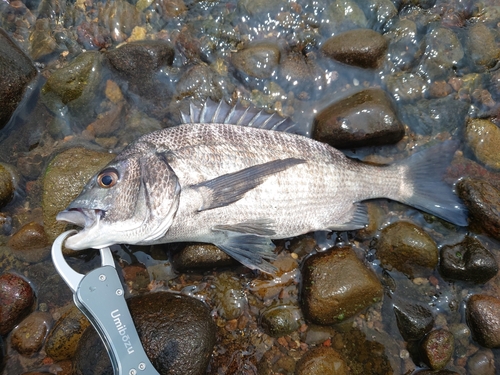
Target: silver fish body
238,187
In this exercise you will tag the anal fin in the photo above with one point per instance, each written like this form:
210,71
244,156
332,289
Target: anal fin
356,218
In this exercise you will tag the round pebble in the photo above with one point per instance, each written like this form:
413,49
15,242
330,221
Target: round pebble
28,337
30,243
16,301
322,361
483,319
483,137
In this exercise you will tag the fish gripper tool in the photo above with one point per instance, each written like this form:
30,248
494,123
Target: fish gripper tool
101,298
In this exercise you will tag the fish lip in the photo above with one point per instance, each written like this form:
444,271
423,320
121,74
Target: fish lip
83,217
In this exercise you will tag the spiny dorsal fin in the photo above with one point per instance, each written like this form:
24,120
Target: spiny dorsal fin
222,113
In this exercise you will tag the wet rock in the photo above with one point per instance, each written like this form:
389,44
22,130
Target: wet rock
407,248
139,61
432,372
443,50
16,301
177,332
63,338
30,243
437,348
76,86
363,48
64,179
481,363
42,43
378,13
199,82
483,137
230,296
483,319
483,202
439,89
258,7
28,337
281,320
119,18
406,87
16,73
322,361
342,15
258,60
365,118
467,261
481,46
92,36
301,75
433,116
337,285
171,8
414,320
200,256
403,44
7,187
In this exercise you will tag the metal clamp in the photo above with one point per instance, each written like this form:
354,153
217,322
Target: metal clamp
100,297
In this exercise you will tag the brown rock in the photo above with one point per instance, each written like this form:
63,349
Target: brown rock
30,243
16,301
360,47
483,203
259,60
366,118
28,337
322,361
437,348
337,285
483,137
483,319
64,336
200,256
407,248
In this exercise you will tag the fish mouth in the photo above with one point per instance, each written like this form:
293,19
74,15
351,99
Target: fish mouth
83,217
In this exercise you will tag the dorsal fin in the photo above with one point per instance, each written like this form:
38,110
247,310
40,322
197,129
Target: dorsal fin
222,113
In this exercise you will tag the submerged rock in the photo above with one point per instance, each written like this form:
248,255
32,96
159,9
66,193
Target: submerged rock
481,363
366,118
336,285
483,202
483,137
467,261
414,320
481,46
30,243
200,256
437,348
483,319
64,179
281,320
16,301
176,331
258,60
363,48
65,335
28,337
322,361
16,73
7,187
407,248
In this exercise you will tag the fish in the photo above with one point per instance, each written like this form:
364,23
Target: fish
239,178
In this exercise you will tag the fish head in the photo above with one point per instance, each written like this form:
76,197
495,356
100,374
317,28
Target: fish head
132,200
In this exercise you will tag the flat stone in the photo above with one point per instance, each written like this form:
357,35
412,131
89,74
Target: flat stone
483,318
363,48
483,137
337,285
322,361
366,118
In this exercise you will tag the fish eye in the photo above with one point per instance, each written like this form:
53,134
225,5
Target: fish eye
107,178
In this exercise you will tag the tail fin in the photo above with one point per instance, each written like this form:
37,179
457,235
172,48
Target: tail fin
425,169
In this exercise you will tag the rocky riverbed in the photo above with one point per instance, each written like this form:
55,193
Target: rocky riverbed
378,79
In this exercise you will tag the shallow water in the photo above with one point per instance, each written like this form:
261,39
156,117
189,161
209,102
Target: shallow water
431,71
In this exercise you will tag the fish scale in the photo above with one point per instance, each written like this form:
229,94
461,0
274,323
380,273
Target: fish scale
239,186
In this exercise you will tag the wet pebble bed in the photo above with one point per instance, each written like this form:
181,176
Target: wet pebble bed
378,79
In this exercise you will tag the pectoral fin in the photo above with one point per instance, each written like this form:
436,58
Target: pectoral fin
249,250
231,187
356,218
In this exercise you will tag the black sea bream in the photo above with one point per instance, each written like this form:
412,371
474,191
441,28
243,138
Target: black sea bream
214,180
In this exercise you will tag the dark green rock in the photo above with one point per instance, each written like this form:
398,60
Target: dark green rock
281,320
366,118
414,320
467,261
176,331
